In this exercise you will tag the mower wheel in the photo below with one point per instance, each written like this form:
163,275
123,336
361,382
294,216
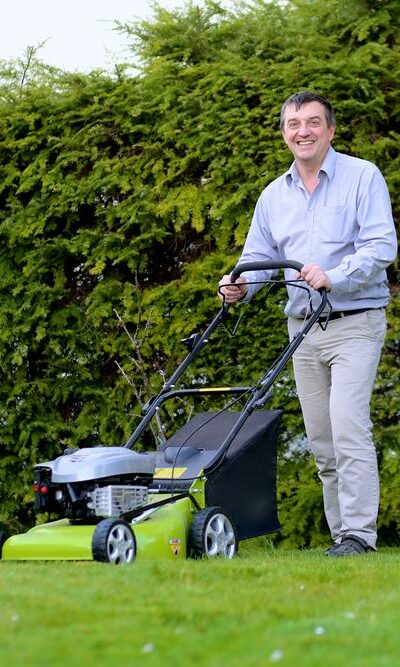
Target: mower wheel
212,533
114,542
4,535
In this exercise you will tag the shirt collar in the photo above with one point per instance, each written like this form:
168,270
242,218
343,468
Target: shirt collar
328,167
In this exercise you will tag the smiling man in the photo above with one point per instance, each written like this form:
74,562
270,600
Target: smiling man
331,212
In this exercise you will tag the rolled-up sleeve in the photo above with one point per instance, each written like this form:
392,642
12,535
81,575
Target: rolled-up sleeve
376,244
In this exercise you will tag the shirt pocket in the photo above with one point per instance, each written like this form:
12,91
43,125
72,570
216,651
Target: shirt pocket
335,224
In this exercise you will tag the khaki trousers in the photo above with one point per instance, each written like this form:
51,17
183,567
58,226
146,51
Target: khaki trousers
335,372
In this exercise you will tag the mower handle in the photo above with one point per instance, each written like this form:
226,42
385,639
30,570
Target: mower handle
265,265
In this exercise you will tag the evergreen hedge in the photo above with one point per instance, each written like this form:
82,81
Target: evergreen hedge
124,198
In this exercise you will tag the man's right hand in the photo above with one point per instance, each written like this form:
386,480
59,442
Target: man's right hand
232,292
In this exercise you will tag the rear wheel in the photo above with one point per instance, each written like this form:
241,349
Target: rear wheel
114,542
212,534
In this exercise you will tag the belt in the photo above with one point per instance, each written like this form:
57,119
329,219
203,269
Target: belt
338,314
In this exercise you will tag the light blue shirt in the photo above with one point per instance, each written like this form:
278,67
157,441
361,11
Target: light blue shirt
345,226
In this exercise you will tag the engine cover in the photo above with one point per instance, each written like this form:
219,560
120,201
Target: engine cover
90,463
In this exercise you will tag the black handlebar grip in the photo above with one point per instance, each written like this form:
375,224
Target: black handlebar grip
264,265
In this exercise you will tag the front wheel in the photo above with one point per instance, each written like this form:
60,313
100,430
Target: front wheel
114,542
212,534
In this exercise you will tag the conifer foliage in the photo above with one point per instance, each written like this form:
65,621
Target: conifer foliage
123,199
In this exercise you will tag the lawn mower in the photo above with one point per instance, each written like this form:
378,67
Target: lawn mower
206,488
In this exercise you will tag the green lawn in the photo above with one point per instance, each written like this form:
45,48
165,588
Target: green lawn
299,609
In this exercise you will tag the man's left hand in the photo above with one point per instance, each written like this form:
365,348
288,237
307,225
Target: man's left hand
315,277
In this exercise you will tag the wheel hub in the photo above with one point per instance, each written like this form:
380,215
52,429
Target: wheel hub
120,546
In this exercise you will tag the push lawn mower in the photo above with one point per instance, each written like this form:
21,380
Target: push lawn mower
209,486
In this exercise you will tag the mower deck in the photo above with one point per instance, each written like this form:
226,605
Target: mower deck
161,534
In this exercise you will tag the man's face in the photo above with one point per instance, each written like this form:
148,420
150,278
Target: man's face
307,134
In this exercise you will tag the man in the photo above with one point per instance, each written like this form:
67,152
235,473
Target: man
330,212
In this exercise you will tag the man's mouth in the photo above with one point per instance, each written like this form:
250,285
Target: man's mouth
309,142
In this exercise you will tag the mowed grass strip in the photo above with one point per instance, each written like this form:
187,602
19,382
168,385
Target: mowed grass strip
264,607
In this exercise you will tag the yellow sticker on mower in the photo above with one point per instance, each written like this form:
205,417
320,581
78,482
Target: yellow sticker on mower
175,545
169,473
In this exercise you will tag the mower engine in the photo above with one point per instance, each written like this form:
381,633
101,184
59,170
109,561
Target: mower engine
94,482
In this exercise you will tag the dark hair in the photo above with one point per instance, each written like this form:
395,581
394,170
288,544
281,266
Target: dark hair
300,99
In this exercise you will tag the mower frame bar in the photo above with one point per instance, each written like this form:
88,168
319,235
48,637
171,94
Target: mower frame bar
165,396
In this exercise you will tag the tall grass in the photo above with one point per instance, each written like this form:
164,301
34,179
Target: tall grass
297,609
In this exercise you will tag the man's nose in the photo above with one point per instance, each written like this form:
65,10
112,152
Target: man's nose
303,129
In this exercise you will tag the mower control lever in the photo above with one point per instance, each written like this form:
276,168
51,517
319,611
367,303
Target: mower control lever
272,265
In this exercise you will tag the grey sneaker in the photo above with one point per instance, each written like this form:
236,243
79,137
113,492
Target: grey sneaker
351,545
335,545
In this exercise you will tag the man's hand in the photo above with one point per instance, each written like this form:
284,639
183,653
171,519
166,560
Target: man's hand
231,292
315,277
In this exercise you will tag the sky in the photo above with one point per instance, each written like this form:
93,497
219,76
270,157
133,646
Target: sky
78,34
